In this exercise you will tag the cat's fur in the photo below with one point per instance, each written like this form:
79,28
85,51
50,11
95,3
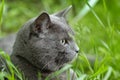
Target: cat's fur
44,44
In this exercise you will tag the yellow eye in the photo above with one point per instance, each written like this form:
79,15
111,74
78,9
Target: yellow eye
63,42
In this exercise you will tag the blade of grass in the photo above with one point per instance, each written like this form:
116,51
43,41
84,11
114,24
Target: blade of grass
55,74
12,71
82,77
84,58
104,4
1,12
108,74
85,10
68,74
2,75
2,56
101,70
99,20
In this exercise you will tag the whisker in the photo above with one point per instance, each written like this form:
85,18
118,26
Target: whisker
45,65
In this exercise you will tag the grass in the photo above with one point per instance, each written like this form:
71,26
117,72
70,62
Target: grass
97,34
1,12
9,71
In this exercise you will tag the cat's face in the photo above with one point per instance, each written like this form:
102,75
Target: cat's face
50,44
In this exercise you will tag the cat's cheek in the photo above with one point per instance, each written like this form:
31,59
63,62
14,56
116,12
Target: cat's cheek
53,66
71,55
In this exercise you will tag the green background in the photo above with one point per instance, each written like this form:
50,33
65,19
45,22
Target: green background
97,31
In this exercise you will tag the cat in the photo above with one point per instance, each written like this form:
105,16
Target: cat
44,44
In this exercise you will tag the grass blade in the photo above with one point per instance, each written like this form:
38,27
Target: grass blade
85,10
58,72
1,9
108,74
1,12
99,20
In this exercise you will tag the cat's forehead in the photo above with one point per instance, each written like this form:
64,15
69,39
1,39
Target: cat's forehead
61,23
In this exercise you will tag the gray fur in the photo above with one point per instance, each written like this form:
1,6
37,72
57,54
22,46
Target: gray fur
6,43
43,45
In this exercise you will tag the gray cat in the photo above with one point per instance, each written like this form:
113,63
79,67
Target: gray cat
44,44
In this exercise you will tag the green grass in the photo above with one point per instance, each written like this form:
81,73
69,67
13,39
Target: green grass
1,12
9,71
97,33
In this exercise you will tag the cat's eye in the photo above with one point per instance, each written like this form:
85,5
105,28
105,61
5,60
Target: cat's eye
63,41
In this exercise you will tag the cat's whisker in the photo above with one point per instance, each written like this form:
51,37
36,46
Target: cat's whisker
45,65
58,65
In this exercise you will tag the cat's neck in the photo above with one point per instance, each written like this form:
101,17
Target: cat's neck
28,69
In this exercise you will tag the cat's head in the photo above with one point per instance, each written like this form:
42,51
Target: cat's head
47,41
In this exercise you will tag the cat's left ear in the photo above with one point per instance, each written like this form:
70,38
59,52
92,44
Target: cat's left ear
63,13
42,22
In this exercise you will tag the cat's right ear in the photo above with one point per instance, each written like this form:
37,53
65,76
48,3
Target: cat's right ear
42,22
63,13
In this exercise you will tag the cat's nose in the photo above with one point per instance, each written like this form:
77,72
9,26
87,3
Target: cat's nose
75,47
77,51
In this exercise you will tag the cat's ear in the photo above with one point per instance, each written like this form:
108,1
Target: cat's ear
42,22
63,13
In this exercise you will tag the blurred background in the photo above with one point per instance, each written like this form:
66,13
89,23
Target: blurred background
95,22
